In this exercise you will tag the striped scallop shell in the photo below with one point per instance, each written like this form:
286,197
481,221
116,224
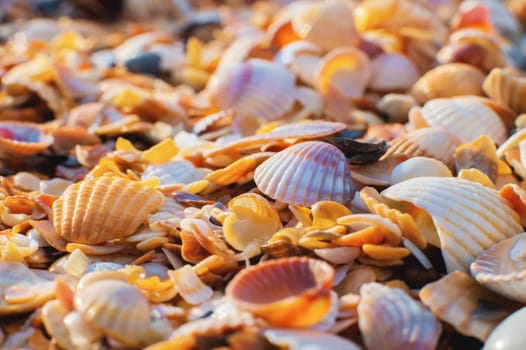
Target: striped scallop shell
175,172
306,173
390,319
22,139
290,292
466,117
254,88
102,209
433,142
117,308
508,87
502,268
468,217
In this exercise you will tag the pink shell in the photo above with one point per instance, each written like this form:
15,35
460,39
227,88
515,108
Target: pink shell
306,173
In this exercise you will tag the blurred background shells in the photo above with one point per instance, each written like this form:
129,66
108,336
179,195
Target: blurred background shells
506,85
22,139
306,173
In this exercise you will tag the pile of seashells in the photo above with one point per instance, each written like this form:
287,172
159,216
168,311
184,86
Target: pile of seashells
265,175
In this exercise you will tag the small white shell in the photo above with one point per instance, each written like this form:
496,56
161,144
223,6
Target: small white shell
390,319
307,339
419,167
175,172
306,173
392,72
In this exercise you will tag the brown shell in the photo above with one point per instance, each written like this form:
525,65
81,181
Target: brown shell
293,292
102,209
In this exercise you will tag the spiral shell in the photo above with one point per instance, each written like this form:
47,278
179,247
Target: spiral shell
291,292
465,117
102,209
390,319
473,219
306,173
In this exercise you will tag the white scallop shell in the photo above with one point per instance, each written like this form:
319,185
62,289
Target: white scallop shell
390,319
466,117
306,173
468,217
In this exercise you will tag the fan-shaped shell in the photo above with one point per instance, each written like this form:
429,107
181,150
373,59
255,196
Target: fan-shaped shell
433,142
105,208
253,88
306,173
117,308
293,292
502,268
467,118
175,172
390,319
468,217
508,87
22,139
448,80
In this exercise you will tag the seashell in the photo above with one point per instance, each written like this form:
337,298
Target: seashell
418,167
516,197
474,219
22,139
448,80
509,333
465,117
460,301
291,292
506,86
392,72
241,89
480,154
117,308
346,70
102,209
306,338
253,220
328,24
389,230
53,314
326,213
175,172
188,284
501,268
432,142
396,106
390,319
377,173
306,173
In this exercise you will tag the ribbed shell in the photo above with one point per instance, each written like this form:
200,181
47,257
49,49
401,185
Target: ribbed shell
254,88
300,339
507,87
22,139
291,292
306,173
502,268
170,173
435,143
466,117
117,308
390,319
105,208
468,217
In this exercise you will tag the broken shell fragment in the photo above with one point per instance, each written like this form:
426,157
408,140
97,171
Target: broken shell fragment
291,292
306,173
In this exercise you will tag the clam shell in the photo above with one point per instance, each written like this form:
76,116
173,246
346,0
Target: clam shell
419,167
460,301
502,268
22,139
117,308
433,142
509,334
175,172
290,292
390,319
473,219
392,72
306,173
102,209
254,88
508,87
465,117
448,80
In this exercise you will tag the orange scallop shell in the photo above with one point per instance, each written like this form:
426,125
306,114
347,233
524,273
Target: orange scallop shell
22,139
508,87
102,209
291,292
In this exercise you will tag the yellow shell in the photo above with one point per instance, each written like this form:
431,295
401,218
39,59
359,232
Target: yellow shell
508,87
480,154
102,209
290,292
468,217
